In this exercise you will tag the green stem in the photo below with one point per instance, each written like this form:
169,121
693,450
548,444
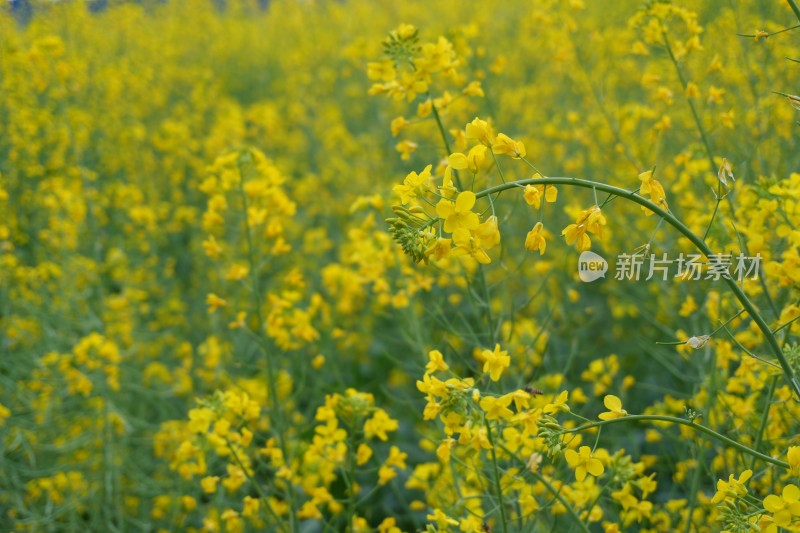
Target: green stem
703,135
789,323
698,472
497,165
561,499
764,417
256,292
688,423
446,143
351,486
696,116
263,497
686,232
795,9
769,34
245,163
487,302
108,472
599,101
743,348
496,469
699,467
481,274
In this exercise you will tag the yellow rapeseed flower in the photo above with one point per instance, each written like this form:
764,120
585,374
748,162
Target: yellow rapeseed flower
494,361
614,406
583,463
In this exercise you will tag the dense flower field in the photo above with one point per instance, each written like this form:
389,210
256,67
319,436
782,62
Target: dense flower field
310,266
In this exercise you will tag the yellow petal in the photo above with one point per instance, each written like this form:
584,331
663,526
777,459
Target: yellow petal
773,503
444,208
458,161
595,467
791,493
573,459
612,403
465,201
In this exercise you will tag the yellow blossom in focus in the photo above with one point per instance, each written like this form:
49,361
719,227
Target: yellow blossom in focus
479,130
583,463
496,408
614,406
589,220
534,194
733,488
458,214
535,241
494,361
435,362
507,146
559,404
784,508
413,185
652,188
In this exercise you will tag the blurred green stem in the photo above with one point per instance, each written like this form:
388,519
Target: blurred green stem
561,499
699,466
498,488
264,497
245,164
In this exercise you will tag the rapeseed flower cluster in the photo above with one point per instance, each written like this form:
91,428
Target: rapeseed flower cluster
328,280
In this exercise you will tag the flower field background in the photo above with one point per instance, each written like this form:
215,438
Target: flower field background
314,266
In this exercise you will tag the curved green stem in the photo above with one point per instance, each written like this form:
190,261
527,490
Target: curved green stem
686,232
795,9
688,423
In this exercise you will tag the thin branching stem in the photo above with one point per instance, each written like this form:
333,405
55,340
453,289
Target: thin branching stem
673,221
688,423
